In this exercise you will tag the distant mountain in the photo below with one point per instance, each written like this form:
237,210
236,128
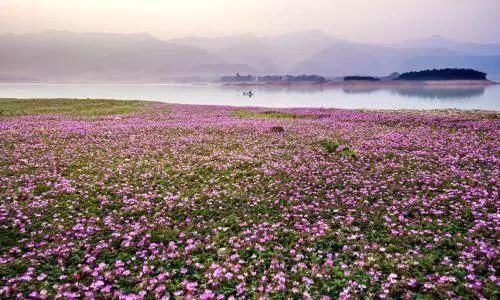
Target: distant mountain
348,58
66,56
314,52
463,48
241,49
484,57
267,54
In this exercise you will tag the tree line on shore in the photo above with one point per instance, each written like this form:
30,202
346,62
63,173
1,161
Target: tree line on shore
434,74
444,74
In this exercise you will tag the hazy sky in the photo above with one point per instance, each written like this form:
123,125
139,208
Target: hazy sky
361,20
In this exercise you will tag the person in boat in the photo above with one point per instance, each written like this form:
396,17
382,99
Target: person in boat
249,94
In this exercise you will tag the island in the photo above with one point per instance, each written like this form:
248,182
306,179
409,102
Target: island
444,74
440,77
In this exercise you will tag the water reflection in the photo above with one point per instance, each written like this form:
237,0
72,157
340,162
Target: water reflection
264,89
300,95
422,92
429,93
360,90
442,93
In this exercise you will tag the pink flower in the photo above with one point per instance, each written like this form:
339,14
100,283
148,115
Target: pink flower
412,282
41,277
207,294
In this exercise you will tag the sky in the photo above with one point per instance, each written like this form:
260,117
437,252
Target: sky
357,20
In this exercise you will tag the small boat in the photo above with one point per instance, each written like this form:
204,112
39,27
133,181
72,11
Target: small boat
249,94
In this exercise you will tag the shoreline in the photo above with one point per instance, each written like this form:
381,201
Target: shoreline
333,83
437,111
373,84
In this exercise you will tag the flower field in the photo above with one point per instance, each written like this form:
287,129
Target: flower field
155,201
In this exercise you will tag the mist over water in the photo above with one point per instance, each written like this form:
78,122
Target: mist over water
484,98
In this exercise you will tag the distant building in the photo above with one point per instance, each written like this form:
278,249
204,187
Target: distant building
238,78
271,78
361,78
309,78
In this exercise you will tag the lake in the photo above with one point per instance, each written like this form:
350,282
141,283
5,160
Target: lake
486,98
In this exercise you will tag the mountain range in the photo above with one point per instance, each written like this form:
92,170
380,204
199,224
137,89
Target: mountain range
63,56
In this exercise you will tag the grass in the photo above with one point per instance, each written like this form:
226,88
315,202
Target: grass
333,146
70,107
268,114
330,146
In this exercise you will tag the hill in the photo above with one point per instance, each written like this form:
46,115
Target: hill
66,56
81,57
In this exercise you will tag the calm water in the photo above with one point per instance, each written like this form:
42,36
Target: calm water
409,98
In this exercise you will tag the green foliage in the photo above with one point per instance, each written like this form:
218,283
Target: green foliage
347,151
127,285
329,243
164,235
40,189
332,147
389,155
329,146
268,114
9,238
452,130
14,268
72,107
